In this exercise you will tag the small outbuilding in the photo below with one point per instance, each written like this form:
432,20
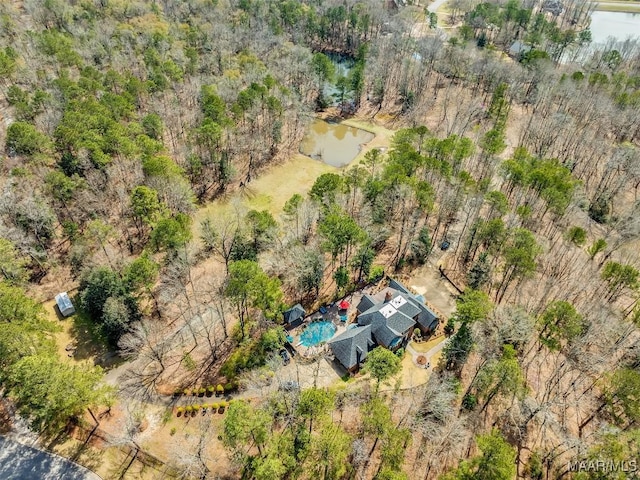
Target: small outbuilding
64,304
294,314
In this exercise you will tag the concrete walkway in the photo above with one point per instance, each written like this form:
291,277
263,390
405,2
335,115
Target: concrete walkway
20,462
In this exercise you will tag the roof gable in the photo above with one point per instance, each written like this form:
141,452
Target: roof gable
398,286
400,323
426,316
366,302
373,316
352,345
384,335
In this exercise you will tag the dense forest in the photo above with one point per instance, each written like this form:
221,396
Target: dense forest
131,128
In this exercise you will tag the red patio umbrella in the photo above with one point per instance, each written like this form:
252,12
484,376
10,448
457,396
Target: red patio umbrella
343,305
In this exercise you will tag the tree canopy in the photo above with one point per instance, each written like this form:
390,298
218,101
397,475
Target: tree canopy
382,364
496,461
249,287
48,391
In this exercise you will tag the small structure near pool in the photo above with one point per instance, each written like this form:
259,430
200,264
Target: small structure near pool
294,314
64,304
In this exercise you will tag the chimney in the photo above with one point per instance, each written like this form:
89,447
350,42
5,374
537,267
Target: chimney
387,297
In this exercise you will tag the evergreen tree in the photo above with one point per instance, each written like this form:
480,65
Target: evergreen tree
480,272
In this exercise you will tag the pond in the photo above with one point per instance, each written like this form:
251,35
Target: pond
619,25
316,333
335,144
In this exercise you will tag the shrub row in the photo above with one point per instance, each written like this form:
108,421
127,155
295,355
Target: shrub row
209,391
212,407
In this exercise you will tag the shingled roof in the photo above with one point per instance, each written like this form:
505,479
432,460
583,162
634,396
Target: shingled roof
415,305
400,323
427,316
352,346
406,304
396,285
366,303
294,313
388,320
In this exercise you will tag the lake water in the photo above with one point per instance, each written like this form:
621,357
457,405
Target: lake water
334,143
619,25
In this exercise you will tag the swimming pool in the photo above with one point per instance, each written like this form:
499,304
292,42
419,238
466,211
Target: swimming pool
316,333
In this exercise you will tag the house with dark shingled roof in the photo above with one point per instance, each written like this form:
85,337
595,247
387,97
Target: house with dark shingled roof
386,319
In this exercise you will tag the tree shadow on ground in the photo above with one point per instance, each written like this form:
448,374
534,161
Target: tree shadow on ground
88,340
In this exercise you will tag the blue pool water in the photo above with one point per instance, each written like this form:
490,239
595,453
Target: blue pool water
316,333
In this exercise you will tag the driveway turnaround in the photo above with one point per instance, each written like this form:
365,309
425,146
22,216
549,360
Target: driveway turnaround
20,462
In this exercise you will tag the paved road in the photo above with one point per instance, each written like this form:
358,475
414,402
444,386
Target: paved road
20,462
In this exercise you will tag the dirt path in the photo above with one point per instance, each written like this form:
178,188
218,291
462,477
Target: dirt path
435,6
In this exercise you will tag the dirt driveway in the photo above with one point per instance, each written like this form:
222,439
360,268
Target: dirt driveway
437,292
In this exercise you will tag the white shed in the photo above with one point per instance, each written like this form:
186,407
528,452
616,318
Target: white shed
64,304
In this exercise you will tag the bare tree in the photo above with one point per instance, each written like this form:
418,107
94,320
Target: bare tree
147,342
191,455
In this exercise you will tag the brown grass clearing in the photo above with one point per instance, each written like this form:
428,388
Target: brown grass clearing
275,186
412,375
108,462
78,333
426,346
269,191
169,433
